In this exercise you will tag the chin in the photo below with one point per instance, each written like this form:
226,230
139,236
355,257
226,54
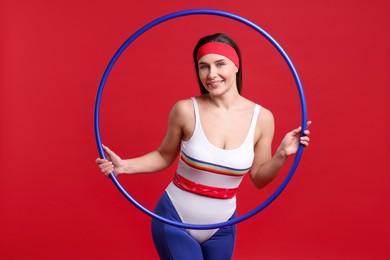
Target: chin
216,92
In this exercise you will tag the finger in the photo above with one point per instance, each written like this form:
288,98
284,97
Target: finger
305,140
108,169
100,161
106,165
107,174
306,144
297,130
306,131
106,149
308,124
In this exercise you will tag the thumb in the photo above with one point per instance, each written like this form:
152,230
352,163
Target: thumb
110,153
297,130
106,149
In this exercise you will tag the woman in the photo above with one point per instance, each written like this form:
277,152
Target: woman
220,136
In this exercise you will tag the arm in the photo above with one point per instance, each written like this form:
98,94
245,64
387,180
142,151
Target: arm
266,167
156,160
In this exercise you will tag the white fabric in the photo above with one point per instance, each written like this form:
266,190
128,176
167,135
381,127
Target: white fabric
197,209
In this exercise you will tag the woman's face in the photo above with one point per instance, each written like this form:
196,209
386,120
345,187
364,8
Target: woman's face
217,73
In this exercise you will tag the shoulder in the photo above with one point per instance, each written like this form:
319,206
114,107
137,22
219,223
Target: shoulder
182,110
183,117
265,126
183,104
265,116
183,107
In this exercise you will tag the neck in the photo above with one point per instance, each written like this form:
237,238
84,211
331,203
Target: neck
226,101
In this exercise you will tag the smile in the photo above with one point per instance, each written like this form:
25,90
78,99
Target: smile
214,84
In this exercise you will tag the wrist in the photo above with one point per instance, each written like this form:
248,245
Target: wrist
281,154
127,167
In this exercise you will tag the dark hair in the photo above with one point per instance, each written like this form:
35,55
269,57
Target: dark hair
218,37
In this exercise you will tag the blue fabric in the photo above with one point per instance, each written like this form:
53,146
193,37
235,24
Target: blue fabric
176,243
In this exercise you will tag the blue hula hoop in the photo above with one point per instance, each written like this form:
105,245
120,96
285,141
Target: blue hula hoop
150,25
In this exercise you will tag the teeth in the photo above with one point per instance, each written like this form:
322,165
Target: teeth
214,84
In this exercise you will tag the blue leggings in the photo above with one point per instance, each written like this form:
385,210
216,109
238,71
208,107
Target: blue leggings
176,243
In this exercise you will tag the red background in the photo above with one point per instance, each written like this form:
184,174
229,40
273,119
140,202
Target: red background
54,203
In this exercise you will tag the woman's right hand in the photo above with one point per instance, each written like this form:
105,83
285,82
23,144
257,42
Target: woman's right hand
112,164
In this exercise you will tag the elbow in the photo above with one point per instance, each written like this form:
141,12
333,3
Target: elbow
260,185
168,158
260,181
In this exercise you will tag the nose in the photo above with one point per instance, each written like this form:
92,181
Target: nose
212,72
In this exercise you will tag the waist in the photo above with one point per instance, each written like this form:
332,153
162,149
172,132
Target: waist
203,190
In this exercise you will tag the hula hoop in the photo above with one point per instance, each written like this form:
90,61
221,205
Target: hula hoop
150,25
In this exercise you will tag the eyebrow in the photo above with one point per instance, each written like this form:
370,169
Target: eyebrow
202,62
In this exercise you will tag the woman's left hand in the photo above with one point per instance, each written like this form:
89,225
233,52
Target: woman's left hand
291,141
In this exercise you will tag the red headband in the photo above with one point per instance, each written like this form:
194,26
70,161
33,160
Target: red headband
221,49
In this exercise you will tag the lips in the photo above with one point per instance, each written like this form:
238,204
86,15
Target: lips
214,84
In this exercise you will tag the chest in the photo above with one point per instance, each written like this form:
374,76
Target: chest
226,130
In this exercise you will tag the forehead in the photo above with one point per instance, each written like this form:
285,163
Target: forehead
211,58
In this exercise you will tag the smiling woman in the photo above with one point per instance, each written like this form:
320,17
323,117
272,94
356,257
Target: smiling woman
216,71
53,55
218,44
219,136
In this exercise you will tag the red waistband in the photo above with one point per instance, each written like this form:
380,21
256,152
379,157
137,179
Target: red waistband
204,190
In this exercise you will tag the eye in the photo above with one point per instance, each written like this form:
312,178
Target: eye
220,64
203,67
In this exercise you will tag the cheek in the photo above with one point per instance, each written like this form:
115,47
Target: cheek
233,72
226,74
202,75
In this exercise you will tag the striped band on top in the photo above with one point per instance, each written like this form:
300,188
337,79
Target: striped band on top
211,167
